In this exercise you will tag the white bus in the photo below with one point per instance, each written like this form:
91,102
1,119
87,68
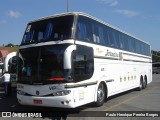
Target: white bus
71,59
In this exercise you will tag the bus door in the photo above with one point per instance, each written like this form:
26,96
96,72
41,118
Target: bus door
83,68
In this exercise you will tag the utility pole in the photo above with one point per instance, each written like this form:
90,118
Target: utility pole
68,5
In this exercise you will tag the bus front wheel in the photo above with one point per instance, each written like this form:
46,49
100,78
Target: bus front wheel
100,95
145,82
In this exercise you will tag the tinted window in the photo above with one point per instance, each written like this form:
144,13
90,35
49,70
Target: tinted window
42,64
123,42
111,37
148,50
137,46
92,31
83,63
51,62
116,37
28,64
84,29
96,36
102,36
59,28
131,43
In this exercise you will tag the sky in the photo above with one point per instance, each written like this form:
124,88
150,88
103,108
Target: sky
140,18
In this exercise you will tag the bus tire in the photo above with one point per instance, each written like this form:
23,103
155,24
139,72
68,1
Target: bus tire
101,94
145,82
141,84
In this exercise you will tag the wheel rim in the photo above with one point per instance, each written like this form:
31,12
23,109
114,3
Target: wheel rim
100,93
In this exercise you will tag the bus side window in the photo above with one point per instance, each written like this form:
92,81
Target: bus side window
125,42
95,29
48,31
138,47
96,36
81,31
40,35
102,36
121,44
111,36
83,64
84,31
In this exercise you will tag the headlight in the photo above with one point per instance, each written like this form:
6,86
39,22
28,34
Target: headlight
61,93
21,92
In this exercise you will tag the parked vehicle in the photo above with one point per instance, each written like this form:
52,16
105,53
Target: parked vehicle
156,68
9,76
72,59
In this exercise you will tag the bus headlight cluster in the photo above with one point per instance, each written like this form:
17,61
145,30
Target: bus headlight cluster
21,92
61,93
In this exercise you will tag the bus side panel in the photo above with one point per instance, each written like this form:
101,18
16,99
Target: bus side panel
83,95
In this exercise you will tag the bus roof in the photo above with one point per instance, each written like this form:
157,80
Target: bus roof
89,16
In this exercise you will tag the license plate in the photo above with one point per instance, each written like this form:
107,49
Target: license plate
37,101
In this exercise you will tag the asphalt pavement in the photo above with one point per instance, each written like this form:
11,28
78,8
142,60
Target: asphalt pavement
131,103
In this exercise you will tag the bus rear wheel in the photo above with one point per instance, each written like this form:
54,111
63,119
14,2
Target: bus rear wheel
100,95
145,82
141,84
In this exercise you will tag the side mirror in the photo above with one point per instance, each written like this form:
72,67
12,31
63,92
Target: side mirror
13,65
14,60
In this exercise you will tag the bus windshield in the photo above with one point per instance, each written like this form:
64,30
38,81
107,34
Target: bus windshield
42,64
54,29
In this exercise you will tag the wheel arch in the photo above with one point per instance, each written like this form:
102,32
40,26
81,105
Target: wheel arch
106,90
